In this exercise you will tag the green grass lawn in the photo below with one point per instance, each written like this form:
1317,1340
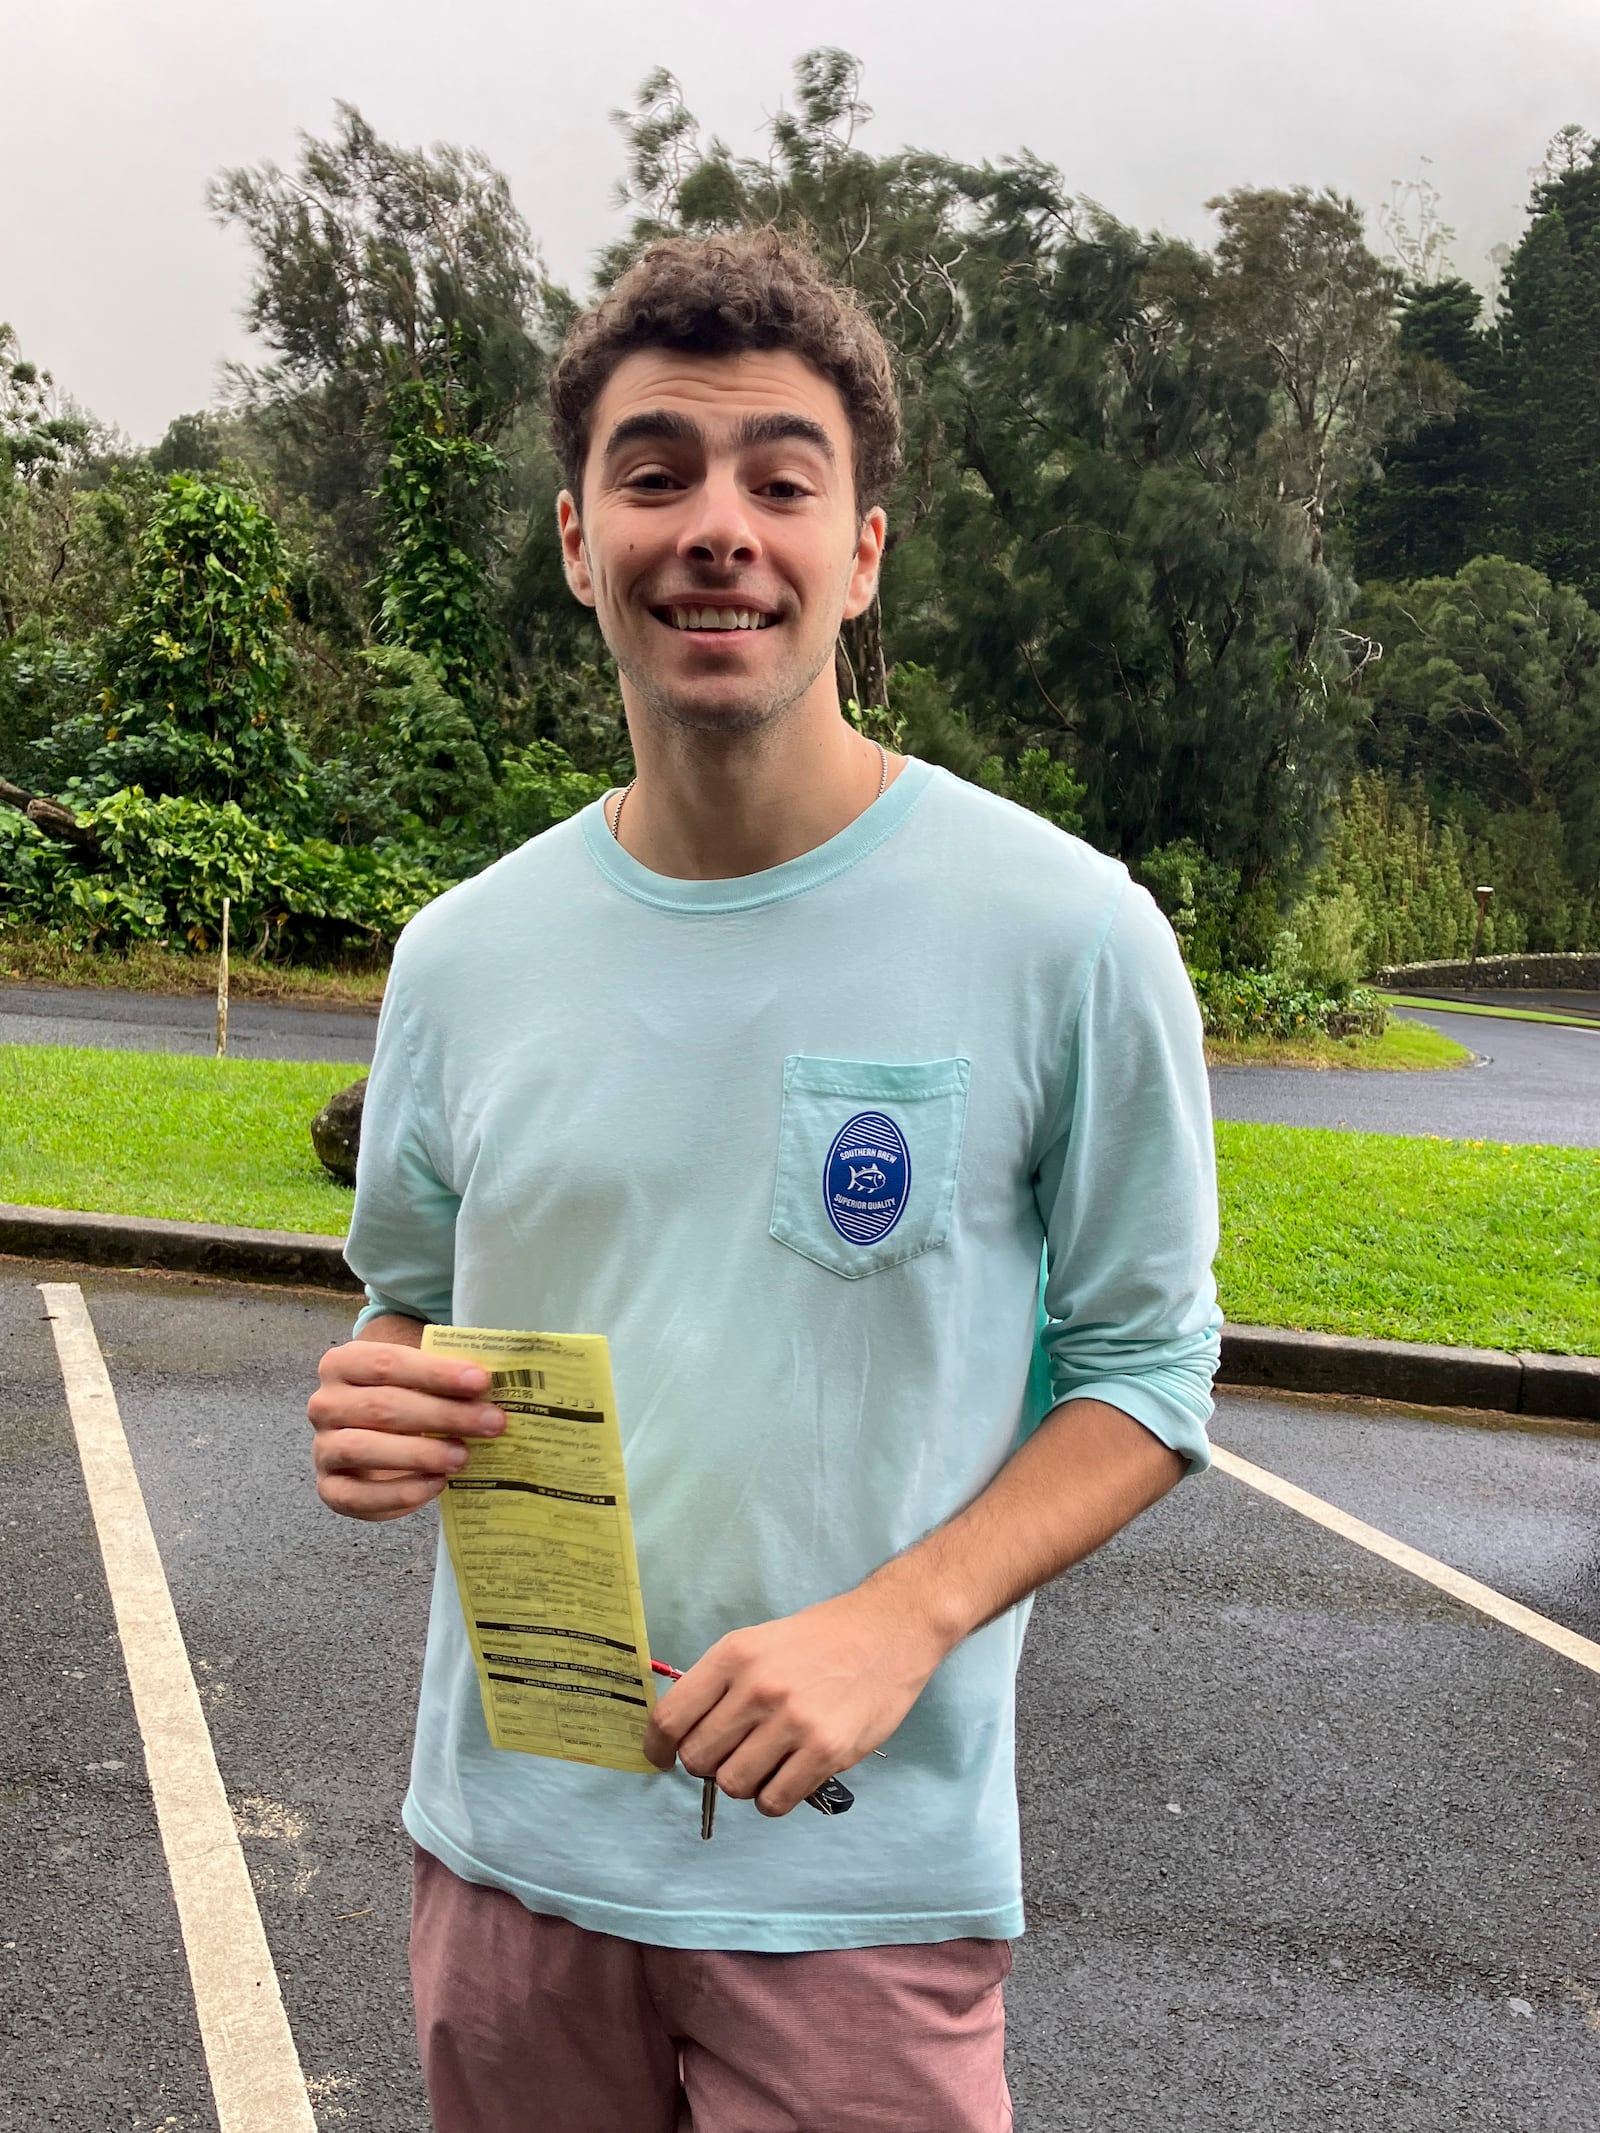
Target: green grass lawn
1466,1242
1472,1243
154,1133
1501,1014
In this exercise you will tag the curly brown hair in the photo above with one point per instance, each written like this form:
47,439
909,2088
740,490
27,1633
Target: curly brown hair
726,295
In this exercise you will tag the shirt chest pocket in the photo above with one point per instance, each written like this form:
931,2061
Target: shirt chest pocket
867,1159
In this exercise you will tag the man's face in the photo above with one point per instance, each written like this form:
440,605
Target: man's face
719,543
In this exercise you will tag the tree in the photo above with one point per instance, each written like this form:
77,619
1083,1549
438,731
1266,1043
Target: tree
438,494
1123,580
401,294
1489,690
1435,501
193,675
1551,311
1300,295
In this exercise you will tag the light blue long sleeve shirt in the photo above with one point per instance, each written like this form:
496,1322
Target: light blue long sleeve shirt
797,1143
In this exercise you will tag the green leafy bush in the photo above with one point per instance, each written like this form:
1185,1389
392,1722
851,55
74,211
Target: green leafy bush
165,865
1263,1003
1040,782
29,867
1197,894
541,785
1325,942
189,695
419,768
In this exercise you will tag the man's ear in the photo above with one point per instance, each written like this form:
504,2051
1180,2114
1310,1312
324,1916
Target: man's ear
574,556
866,564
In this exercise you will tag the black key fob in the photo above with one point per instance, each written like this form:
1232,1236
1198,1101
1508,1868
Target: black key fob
831,1798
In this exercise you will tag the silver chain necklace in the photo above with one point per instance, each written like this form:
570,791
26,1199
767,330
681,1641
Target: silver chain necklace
883,783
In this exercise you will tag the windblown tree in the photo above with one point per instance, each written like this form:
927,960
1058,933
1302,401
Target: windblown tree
1300,298
1489,693
1437,499
404,302
1140,524
1551,314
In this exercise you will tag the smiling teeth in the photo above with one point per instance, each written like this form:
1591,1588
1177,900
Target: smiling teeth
718,618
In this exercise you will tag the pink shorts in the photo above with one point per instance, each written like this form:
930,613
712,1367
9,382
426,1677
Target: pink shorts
527,2022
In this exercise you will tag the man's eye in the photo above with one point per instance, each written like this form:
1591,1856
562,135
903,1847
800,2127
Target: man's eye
655,479
785,491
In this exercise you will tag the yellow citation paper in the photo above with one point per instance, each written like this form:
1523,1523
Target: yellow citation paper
540,1536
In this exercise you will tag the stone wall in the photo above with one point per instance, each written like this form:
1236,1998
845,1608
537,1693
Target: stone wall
1526,973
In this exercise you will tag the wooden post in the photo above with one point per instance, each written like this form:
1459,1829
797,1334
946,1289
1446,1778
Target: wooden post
1483,895
222,985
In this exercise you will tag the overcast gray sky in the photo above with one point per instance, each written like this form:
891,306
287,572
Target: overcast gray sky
114,113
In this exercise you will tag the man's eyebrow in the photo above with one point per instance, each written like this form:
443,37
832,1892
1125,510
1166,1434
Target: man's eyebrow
657,425
757,430
664,425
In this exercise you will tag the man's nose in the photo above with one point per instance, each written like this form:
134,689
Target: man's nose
720,529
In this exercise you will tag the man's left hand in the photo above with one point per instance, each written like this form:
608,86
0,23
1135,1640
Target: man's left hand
775,1709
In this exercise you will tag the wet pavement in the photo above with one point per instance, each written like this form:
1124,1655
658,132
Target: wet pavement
1535,1081
1309,1847
158,1022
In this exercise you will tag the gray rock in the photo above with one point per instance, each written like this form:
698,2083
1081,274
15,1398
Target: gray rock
336,1132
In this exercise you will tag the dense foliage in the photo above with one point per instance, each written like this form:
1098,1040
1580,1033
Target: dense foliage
1268,568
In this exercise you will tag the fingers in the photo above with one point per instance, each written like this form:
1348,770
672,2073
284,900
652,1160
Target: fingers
380,1385
392,1363
761,1747
396,1410
377,1454
775,1767
681,1709
377,1499
390,1421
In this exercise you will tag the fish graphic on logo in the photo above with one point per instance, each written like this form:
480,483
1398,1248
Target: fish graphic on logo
866,1179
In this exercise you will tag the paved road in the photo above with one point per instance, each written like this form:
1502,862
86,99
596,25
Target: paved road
1304,1839
156,1022
1538,1082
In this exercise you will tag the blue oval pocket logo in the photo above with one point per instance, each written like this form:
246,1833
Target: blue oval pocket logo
867,1177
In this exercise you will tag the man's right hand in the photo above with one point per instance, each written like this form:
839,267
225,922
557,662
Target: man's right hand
392,1424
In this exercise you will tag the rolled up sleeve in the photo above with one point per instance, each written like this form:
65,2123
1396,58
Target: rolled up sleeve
1126,1188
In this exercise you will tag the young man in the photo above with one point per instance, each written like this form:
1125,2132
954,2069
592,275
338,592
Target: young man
782,1068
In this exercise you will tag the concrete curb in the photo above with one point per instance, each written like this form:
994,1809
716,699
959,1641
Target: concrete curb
274,1255
1561,1387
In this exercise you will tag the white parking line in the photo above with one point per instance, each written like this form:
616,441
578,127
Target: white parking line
250,2053
1583,1651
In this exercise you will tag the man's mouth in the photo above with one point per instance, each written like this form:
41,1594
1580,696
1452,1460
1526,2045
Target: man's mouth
714,618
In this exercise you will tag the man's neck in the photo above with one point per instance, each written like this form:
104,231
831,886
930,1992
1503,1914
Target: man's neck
713,807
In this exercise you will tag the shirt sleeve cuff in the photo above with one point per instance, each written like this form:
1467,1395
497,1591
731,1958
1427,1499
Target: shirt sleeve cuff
378,1305
1164,1418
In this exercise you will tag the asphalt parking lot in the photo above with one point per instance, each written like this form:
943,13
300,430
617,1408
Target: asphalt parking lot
1308,1843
